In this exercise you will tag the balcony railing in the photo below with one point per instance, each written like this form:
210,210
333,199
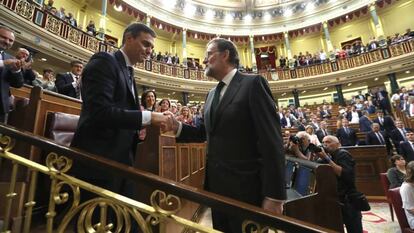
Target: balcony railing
165,201
44,19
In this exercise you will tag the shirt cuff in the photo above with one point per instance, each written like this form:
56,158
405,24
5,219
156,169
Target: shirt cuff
1,63
146,118
180,127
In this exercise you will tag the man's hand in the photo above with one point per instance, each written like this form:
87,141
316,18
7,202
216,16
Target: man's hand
159,119
13,64
274,206
172,124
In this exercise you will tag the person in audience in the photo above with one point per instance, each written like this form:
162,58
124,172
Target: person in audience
323,131
71,20
314,123
176,59
397,172
365,122
174,109
164,105
383,101
110,114
148,99
10,71
313,137
300,149
236,166
91,28
61,14
48,5
343,166
407,194
376,137
325,113
69,83
302,124
406,148
347,136
408,33
354,115
28,73
398,135
185,116
282,62
46,82
389,125
288,121
380,120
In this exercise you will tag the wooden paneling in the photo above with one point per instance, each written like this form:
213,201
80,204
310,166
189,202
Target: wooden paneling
370,162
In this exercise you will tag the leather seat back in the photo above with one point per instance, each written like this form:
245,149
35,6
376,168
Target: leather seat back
61,127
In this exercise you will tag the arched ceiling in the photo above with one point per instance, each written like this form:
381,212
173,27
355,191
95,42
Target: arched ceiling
245,17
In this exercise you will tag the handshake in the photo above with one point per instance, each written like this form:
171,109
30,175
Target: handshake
165,120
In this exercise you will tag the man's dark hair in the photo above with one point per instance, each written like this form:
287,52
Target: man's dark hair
47,70
73,63
223,45
135,29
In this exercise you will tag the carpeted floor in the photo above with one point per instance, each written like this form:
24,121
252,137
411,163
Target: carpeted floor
377,220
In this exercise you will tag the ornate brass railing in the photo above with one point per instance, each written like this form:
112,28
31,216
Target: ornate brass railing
126,211
44,19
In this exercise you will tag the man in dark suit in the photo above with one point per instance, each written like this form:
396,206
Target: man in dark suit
364,122
398,135
322,131
380,119
245,159
69,83
28,74
325,112
10,71
347,136
376,137
110,117
407,147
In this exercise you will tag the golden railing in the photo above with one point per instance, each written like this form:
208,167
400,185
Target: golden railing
44,19
165,201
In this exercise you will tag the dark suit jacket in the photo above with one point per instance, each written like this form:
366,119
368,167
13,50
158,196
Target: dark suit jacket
407,151
29,76
110,116
245,157
8,79
345,139
376,120
397,137
325,115
320,134
372,139
64,85
364,124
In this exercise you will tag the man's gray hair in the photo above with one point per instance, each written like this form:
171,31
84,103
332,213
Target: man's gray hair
303,134
332,138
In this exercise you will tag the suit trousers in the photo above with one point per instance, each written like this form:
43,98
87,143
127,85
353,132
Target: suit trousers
352,218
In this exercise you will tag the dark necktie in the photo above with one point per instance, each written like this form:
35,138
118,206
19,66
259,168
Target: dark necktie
77,89
131,79
346,130
381,139
216,100
324,133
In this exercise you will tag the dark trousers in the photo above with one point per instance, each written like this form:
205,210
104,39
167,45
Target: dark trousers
352,218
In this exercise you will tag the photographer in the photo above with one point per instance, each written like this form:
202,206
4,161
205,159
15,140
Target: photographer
343,166
301,147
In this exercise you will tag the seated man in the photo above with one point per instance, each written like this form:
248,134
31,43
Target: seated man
323,131
398,135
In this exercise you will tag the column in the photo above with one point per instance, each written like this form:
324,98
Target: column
184,47
185,98
379,32
102,21
287,45
148,20
295,93
327,37
393,83
254,64
341,100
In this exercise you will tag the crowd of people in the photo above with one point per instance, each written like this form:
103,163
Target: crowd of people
357,48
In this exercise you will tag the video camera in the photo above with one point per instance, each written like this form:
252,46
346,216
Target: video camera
314,148
295,139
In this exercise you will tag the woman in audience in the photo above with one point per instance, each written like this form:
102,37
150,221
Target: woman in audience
185,116
354,115
90,29
164,105
397,172
46,81
407,194
313,138
148,100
